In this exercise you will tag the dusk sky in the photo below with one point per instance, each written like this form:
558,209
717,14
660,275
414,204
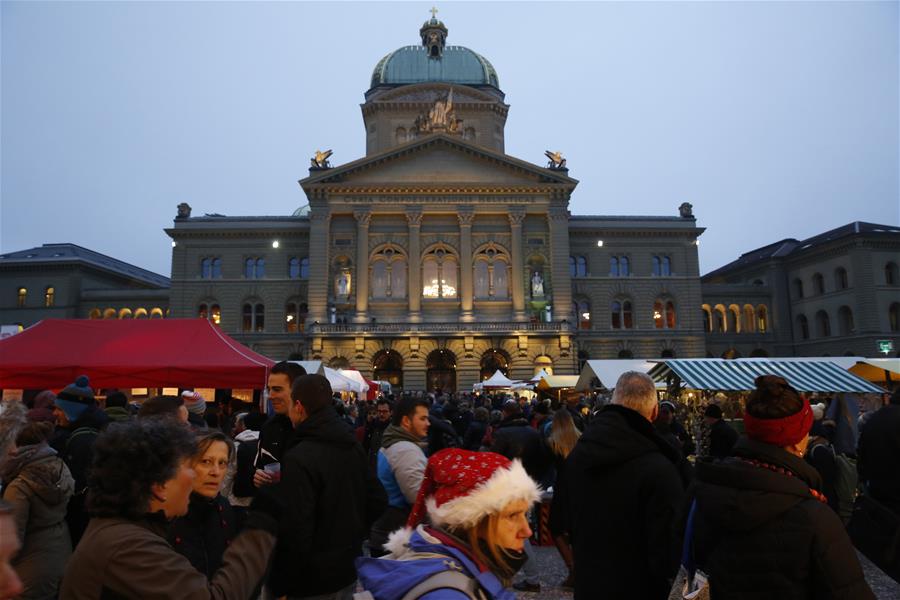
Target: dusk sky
773,119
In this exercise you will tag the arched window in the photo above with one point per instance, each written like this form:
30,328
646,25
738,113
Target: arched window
803,327
759,353
294,316
667,353
338,362
626,354
94,314
731,354
748,324
294,268
762,318
580,266
125,313
109,313
798,288
439,274
255,268
545,363
707,318
156,313
620,314
217,268
656,266
249,268
492,361
387,365
491,273
845,320
379,279
734,318
841,281
894,317
818,284
613,266
141,313
260,268
664,314
823,324
572,268
388,273
666,266
891,276
624,267
582,309
49,296
720,323
304,267
206,268
253,317
21,295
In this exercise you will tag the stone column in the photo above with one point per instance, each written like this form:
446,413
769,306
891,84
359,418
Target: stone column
559,264
517,281
362,264
466,288
414,274
319,276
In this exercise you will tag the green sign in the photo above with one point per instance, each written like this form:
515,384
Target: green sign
885,346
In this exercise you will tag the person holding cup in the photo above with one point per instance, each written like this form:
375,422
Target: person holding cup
204,533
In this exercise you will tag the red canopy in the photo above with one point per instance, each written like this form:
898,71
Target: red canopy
129,353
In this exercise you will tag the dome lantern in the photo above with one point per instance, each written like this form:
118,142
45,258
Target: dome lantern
434,36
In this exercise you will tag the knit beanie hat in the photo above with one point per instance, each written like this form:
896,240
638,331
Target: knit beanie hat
42,409
461,487
194,402
783,431
76,398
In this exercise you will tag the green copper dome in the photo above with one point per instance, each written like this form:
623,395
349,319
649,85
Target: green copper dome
456,64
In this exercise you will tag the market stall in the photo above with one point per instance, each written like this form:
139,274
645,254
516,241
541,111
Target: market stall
176,353
607,372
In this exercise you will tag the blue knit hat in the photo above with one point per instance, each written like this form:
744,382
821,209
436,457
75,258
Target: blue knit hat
76,398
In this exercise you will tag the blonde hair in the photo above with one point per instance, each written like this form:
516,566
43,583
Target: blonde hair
563,433
486,531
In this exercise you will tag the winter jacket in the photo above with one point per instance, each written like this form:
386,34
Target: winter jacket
246,444
121,559
415,558
624,488
441,435
722,438
844,411
879,447
760,533
372,441
38,485
401,466
474,435
204,533
75,444
274,437
332,500
515,438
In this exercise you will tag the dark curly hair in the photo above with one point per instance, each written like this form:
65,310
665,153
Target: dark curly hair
773,398
129,458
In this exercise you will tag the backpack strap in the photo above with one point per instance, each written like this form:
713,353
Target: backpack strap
453,580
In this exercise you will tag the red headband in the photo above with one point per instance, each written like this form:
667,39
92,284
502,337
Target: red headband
786,431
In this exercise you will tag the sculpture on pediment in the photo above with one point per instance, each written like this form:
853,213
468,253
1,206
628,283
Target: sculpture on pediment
184,211
556,160
320,160
686,210
441,118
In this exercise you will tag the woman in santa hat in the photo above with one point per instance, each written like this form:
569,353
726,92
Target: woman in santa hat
465,535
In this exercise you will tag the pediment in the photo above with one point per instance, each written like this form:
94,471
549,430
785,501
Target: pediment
439,160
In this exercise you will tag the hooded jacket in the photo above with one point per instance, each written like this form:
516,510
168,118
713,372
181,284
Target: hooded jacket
38,485
759,533
416,556
401,466
332,500
623,490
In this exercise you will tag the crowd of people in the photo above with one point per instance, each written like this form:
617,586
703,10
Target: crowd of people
435,496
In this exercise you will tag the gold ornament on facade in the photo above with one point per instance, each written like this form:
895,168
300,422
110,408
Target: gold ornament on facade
441,118
556,160
320,160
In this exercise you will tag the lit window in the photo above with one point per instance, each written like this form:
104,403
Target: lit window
253,318
49,296
20,301
664,314
439,275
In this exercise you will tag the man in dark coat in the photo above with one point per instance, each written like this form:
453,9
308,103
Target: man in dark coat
278,430
879,447
624,489
722,436
332,499
515,438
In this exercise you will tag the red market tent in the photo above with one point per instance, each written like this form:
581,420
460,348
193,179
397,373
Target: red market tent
129,353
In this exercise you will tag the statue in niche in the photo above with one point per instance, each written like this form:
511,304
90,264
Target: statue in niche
342,284
441,118
537,285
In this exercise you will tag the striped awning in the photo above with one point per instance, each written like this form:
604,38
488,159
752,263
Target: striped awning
738,375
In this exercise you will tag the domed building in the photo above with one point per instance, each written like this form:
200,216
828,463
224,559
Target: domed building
437,259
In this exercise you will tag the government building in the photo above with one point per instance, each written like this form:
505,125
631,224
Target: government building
436,258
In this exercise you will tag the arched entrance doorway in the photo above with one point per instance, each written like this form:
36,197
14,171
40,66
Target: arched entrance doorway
493,361
441,371
388,366
339,362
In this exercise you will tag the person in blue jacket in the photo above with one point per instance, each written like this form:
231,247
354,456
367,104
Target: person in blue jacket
472,544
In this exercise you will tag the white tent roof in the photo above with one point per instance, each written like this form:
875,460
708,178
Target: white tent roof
357,377
312,366
609,371
340,382
497,380
540,375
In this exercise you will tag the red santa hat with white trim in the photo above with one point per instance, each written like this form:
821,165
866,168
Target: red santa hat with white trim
461,487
